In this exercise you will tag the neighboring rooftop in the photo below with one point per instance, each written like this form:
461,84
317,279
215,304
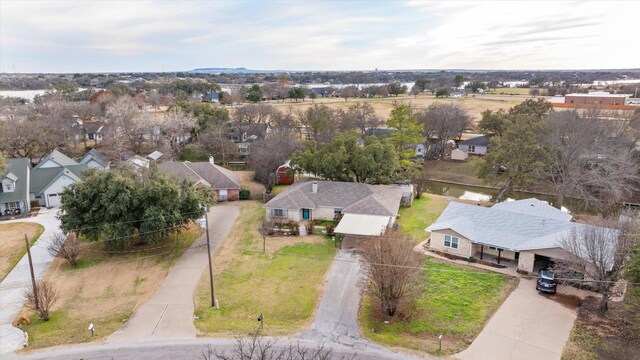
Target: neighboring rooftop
41,178
514,226
96,156
477,141
59,158
204,172
17,170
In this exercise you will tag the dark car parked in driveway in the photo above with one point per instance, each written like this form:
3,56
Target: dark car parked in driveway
546,281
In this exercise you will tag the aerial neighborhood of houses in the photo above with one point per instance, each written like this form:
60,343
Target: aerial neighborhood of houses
427,221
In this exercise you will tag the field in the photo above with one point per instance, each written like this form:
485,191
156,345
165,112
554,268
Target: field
509,91
465,172
456,302
12,247
383,106
103,290
424,212
284,283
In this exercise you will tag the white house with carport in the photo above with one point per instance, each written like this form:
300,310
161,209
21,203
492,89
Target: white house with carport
365,210
526,232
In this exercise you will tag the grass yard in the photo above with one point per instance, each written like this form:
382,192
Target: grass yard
456,301
425,211
12,247
465,172
103,290
284,283
509,91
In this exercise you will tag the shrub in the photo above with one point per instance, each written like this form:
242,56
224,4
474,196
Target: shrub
295,228
47,297
330,228
311,227
245,194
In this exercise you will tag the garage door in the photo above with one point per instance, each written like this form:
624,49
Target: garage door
54,199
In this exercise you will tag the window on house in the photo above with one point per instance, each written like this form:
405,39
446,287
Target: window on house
337,211
12,205
8,186
450,241
279,212
472,148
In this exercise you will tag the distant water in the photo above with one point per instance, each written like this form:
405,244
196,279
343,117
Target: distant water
25,94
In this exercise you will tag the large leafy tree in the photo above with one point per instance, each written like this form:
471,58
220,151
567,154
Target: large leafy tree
347,159
128,209
518,154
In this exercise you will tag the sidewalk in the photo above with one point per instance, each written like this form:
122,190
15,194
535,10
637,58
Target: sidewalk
169,312
14,285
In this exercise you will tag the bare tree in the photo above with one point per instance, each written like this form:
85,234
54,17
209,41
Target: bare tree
258,348
268,154
254,118
443,122
176,130
284,122
47,297
320,122
391,269
65,247
591,158
214,142
363,116
601,253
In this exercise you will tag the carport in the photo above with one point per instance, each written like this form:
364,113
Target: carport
356,227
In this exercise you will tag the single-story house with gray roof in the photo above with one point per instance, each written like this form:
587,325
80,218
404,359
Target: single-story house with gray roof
224,182
528,232
366,210
96,160
477,145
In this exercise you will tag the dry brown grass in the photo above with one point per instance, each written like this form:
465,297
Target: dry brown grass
383,106
12,243
103,290
247,182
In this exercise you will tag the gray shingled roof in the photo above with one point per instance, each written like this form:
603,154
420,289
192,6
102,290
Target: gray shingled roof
534,207
59,158
95,155
20,168
42,177
217,176
477,141
355,198
505,229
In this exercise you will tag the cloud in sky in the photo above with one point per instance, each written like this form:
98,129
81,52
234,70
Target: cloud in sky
149,35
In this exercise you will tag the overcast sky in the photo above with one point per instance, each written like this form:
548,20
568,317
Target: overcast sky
97,36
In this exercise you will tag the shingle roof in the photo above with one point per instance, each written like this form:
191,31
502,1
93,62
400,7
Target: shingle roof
19,167
534,207
95,155
511,230
57,157
216,176
477,141
355,198
41,178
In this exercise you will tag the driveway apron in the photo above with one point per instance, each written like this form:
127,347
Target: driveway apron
528,326
169,312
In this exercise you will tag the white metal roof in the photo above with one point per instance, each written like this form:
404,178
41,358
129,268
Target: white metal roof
360,224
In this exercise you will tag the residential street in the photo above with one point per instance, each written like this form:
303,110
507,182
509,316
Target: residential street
155,349
14,285
528,326
169,312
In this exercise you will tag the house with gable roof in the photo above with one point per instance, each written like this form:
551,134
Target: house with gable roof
224,182
14,194
526,232
95,160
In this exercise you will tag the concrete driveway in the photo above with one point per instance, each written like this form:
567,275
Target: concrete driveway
169,312
528,326
18,280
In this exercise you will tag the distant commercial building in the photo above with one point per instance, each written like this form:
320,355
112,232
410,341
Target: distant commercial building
597,98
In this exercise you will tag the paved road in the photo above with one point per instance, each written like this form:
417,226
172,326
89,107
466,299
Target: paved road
169,312
155,349
528,326
14,285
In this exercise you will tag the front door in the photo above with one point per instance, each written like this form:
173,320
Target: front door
305,214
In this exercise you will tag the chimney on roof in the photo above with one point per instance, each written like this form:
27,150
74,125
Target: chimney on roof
211,160
314,187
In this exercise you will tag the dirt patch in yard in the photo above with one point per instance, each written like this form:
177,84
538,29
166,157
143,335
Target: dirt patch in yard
12,247
247,182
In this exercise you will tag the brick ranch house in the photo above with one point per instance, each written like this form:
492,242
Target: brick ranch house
224,182
526,232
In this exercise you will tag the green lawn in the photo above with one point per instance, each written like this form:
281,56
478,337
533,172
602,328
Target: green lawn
456,302
284,285
424,211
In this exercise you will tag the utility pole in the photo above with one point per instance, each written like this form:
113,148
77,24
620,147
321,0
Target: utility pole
206,220
33,277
